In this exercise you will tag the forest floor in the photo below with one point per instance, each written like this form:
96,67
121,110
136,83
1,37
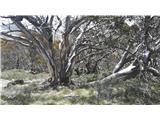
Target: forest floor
35,90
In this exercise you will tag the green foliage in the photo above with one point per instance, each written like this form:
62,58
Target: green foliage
139,91
132,91
85,78
91,77
125,28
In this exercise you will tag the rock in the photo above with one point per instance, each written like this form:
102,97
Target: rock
20,82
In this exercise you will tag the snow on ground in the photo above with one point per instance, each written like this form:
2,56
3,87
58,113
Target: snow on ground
3,83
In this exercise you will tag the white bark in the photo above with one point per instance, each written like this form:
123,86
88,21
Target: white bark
126,72
154,71
122,61
73,51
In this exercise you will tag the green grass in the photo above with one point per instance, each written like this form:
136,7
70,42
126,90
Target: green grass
64,96
21,74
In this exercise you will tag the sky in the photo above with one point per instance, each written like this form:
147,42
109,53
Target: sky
2,21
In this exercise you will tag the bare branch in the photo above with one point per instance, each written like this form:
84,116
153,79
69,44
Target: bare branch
130,71
154,71
73,51
32,20
122,61
75,25
15,38
59,25
51,20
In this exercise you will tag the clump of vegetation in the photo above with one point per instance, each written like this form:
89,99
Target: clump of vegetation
91,77
84,78
132,91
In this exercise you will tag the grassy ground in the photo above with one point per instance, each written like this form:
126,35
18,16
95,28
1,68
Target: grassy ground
62,96
133,91
21,74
